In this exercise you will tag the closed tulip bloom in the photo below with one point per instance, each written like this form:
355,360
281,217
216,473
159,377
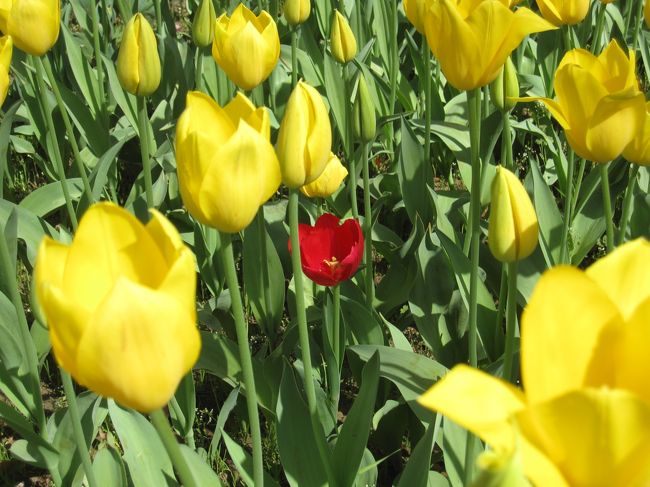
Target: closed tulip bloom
638,151
342,41
364,119
598,102
33,24
297,11
305,137
138,62
6,50
120,305
415,11
227,167
505,88
328,182
483,33
246,47
583,418
564,12
203,24
513,228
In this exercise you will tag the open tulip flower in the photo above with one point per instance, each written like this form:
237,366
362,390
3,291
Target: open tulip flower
246,46
598,102
638,151
33,24
483,33
564,12
120,305
583,418
330,252
227,167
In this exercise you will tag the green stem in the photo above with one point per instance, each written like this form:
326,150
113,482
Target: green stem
158,9
627,203
51,132
245,359
568,215
124,11
88,193
503,289
349,145
600,22
106,23
637,24
576,192
294,56
367,229
143,130
394,63
99,66
336,323
303,333
507,138
11,285
607,203
198,72
428,107
511,321
172,448
474,111
76,428
266,288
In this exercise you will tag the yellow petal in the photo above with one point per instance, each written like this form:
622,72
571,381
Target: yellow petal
578,92
139,347
568,331
563,12
630,369
624,276
342,41
6,50
478,402
638,151
34,25
328,182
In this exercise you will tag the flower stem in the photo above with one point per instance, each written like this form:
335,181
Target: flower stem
607,203
627,203
99,66
637,24
428,107
294,56
266,283
568,207
168,439
245,359
158,10
143,130
600,22
336,323
76,428
51,131
367,229
511,321
349,146
303,333
199,69
503,289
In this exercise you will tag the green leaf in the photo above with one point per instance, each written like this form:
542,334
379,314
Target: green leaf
109,467
548,216
416,472
244,462
414,174
454,444
337,96
49,198
201,471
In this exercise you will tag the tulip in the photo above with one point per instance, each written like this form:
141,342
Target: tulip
6,50
246,47
364,123
598,102
305,137
328,182
415,11
330,252
505,87
120,305
583,418
512,229
342,41
138,63
296,11
203,24
33,24
227,167
563,12
638,151
483,33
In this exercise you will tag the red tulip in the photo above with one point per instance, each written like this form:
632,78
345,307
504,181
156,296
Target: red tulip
330,253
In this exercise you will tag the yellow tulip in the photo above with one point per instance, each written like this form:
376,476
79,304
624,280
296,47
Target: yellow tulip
203,24
415,11
598,102
342,41
638,151
33,24
583,418
328,182
120,305
246,47
227,167
305,137
138,62
297,11
473,38
512,229
564,12
6,50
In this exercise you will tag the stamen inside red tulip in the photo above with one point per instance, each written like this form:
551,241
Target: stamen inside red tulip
333,263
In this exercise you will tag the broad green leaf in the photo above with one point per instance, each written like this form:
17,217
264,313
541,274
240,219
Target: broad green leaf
548,216
414,175
244,462
201,471
49,198
109,467
416,472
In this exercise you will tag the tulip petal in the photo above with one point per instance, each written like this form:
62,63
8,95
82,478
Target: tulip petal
478,402
34,25
578,92
502,230
624,275
568,330
118,246
596,437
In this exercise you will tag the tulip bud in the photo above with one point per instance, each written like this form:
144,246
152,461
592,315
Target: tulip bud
138,63
343,43
500,469
305,137
364,121
512,228
328,182
6,50
203,24
505,87
32,24
296,11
